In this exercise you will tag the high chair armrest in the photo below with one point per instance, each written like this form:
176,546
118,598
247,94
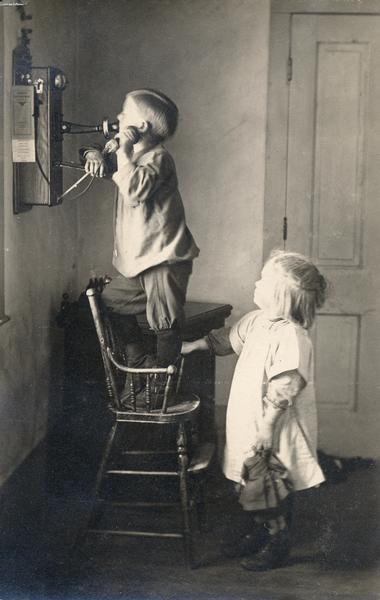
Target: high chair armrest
170,370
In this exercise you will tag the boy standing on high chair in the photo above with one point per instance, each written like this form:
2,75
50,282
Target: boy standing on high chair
153,248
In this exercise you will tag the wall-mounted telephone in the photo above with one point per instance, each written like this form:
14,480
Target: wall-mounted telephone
37,175
37,139
37,131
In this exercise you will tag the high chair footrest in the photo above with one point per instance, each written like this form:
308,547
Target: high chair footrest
143,473
202,457
141,504
134,533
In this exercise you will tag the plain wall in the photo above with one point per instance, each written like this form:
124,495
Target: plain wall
211,57
40,259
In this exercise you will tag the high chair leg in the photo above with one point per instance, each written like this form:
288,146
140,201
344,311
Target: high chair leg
183,462
99,477
203,524
103,462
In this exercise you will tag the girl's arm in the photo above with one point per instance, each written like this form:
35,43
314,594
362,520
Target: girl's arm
281,391
226,340
217,342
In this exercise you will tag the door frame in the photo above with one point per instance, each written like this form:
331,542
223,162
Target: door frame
279,78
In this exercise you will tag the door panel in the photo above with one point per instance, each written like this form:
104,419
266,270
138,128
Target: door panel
332,206
341,96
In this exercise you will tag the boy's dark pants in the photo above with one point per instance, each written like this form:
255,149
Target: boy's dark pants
161,293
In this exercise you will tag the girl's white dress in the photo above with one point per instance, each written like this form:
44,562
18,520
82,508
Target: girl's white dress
266,349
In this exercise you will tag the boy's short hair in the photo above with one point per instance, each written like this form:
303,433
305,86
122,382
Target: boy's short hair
158,110
300,288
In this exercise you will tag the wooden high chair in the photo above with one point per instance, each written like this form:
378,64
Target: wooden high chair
181,457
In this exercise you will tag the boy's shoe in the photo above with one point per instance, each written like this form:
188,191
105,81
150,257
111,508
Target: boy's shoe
274,554
157,393
158,387
139,392
247,545
138,359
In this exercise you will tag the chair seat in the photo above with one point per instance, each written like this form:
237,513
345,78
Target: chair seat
186,409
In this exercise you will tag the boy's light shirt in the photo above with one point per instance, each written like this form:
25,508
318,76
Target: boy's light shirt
150,226
123,162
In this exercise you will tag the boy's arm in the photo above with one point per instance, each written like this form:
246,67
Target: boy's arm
96,162
85,149
137,182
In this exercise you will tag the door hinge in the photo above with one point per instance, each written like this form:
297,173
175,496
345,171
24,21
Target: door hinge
285,229
290,69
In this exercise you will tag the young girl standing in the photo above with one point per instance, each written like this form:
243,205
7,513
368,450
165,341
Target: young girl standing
272,406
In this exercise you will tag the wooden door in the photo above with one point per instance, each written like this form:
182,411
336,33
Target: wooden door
332,205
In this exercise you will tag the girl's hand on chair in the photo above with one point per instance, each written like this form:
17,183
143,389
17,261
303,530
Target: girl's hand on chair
187,348
196,345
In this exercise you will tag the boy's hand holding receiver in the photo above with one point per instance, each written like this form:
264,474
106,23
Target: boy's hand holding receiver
127,139
122,144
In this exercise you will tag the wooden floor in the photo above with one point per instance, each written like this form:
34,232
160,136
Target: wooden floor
335,554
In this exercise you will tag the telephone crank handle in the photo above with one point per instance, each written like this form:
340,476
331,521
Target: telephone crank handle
74,185
70,165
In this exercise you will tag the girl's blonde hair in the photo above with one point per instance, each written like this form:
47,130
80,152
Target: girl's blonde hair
300,288
158,110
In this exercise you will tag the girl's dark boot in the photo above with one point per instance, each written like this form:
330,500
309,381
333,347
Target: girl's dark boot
244,536
274,554
247,545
